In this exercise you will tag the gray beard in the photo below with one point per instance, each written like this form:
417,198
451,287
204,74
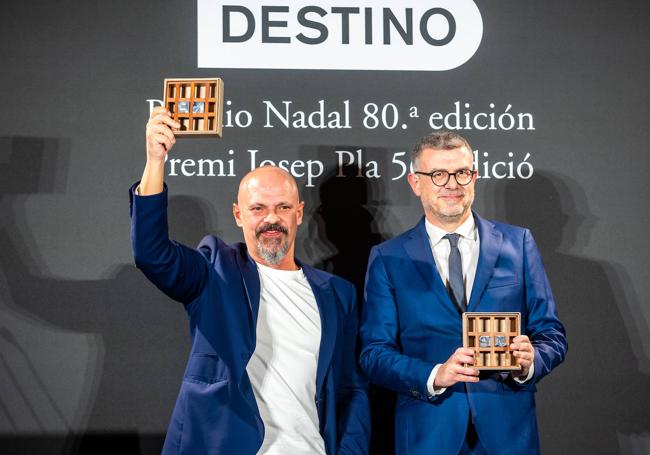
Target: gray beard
275,253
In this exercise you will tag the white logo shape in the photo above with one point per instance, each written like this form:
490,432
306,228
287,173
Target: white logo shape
386,35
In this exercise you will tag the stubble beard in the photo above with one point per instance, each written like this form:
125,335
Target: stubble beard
453,217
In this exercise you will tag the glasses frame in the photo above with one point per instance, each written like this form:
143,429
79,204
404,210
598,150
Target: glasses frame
449,174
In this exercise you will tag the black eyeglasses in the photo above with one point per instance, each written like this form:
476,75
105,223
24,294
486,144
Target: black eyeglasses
441,178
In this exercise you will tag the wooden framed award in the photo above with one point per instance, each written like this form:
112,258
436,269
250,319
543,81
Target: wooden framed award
490,335
197,104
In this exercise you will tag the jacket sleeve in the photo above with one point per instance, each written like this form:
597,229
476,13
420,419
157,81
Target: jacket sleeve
543,325
381,357
353,408
180,272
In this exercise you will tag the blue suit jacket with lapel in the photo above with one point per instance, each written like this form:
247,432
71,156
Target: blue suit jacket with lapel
409,324
216,411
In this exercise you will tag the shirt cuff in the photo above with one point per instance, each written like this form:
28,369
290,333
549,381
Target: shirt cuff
136,191
433,391
531,373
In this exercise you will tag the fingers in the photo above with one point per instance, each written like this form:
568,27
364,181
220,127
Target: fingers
162,116
521,344
158,111
465,359
164,130
454,369
466,374
163,140
525,359
451,373
463,356
526,355
160,137
521,339
523,351
465,351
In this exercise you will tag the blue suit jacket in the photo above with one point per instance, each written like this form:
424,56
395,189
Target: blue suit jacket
216,411
409,324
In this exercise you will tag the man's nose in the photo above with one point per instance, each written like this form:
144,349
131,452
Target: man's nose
271,217
452,183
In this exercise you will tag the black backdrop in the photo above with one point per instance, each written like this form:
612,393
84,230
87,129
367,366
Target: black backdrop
91,355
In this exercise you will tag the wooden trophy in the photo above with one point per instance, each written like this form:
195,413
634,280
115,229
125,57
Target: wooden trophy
490,335
197,104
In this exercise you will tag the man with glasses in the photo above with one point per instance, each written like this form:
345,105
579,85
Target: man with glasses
417,287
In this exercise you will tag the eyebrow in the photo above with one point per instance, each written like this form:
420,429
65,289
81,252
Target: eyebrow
456,170
260,204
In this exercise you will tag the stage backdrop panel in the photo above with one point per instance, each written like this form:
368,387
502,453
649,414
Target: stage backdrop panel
553,97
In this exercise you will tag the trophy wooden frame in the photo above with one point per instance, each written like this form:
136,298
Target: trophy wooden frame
197,104
490,335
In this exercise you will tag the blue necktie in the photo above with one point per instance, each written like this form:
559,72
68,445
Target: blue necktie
456,283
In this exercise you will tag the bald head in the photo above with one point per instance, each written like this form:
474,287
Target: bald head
269,211
267,178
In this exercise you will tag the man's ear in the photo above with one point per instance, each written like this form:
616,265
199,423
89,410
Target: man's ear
300,211
414,181
236,213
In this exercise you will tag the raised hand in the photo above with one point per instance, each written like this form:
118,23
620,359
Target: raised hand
160,140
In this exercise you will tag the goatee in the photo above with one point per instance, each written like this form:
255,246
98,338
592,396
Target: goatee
272,250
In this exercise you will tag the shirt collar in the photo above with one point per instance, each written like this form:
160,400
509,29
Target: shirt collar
467,230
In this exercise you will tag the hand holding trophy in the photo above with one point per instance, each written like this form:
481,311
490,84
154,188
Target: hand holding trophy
490,335
196,104
192,107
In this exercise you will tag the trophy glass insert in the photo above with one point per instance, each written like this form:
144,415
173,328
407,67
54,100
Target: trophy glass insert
490,335
197,104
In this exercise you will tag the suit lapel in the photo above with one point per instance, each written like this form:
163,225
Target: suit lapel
491,240
327,308
251,280
418,249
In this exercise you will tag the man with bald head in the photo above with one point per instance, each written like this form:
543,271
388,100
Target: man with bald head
272,369
270,235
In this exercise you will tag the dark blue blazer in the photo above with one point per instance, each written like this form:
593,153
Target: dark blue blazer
216,411
410,324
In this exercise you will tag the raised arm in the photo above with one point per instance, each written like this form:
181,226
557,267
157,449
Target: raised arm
160,140
179,271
